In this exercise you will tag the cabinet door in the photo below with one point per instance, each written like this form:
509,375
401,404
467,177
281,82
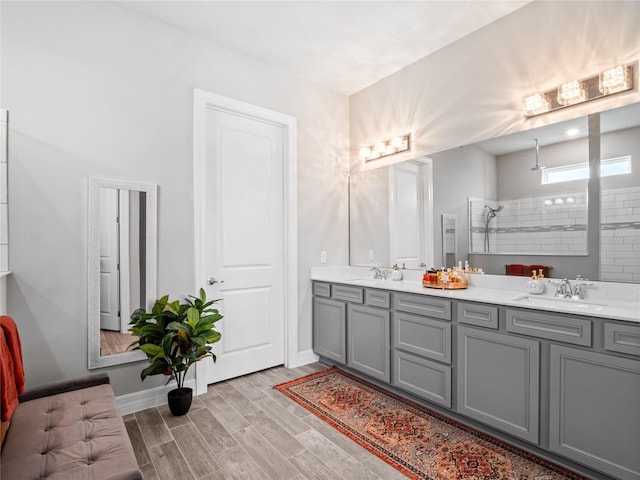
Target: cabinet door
422,377
329,329
369,341
499,381
594,415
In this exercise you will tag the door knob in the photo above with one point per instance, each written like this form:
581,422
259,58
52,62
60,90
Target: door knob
213,281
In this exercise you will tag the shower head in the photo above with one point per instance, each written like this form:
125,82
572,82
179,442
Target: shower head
492,213
492,210
537,165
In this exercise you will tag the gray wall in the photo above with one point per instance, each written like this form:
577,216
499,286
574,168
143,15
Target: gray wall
95,90
369,217
458,174
516,180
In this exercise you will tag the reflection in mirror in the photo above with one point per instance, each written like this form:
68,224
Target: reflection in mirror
620,200
538,209
449,239
548,217
391,214
122,265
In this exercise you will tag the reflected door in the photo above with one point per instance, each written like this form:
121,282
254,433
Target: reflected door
109,260
244,241
407,211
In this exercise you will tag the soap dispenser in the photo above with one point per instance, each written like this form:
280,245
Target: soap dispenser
396,274
535,285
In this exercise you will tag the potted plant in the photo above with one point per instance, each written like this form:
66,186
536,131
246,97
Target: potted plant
174,336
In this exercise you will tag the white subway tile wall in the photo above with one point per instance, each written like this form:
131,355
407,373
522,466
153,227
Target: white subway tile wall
620,235
540,225
558,224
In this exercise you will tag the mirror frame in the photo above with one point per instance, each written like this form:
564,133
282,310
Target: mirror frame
93,270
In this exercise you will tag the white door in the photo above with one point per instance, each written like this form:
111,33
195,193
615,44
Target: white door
243,241
410,214
109,260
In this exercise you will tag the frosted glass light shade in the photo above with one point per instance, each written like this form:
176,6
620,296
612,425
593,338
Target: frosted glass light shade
571,93
614,80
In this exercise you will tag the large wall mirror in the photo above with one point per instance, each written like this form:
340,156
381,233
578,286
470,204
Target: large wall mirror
122,265
508,210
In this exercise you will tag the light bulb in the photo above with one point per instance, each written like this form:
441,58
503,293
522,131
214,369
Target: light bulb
396,142
379,147
365,152
535,104
571,93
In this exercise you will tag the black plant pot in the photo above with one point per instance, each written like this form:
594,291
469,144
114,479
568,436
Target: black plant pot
180,401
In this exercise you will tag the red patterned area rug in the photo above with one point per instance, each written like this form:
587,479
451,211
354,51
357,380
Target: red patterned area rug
419,442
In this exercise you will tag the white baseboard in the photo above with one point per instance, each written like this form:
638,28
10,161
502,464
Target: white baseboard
153,397
303,358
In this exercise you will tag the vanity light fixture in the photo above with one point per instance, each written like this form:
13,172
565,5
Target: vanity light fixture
610,81
388,147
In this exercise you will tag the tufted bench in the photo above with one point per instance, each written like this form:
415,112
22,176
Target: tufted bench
69,430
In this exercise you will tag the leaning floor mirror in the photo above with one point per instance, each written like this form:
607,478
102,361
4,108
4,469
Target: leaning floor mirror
122,248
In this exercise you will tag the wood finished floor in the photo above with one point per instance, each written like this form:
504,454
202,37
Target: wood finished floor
243,429
114,342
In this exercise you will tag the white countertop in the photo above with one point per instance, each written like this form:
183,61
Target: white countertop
619,301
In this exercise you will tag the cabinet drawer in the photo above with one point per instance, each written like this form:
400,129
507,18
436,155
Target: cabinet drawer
377,298
321,289
422,336
422,305
479,315
554,327
347,294
423,378
622,338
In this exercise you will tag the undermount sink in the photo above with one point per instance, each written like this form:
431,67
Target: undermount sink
367,281
565,303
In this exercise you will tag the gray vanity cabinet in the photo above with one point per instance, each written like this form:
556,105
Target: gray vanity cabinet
498,381
368,333
422,334
591,394
568,384
330,329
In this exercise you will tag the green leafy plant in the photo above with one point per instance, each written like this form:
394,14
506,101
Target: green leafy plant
175,335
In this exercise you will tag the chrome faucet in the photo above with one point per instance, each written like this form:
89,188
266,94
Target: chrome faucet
378,273
578,293
563,289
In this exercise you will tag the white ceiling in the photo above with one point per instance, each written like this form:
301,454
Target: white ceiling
342,45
